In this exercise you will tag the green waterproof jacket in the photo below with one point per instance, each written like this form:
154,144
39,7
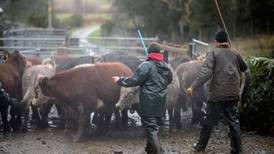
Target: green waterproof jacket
153,78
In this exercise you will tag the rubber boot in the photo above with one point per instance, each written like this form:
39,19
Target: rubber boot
156,142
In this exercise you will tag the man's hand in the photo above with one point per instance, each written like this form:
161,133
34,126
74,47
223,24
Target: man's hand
189,91
115,78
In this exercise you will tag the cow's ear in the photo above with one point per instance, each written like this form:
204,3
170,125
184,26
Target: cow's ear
7,54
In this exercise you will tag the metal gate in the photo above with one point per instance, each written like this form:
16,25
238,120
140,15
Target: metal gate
199,48
45,41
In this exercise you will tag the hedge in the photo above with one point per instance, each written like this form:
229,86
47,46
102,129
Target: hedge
258,111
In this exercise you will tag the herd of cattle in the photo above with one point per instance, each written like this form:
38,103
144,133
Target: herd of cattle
79,86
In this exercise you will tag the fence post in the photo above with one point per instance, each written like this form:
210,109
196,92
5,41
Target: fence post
190,48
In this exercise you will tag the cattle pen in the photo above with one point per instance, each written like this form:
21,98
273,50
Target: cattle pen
41,44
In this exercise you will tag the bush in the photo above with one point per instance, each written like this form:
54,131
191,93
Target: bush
107,27
38,20
258,112
75,21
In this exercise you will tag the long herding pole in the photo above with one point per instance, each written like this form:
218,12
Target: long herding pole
223,21
142,41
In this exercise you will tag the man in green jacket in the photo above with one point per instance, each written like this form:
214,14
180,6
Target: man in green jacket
153,77
223,67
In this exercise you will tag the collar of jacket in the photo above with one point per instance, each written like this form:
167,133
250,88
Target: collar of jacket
223,45
156,56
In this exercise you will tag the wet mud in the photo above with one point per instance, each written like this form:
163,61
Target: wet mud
54,140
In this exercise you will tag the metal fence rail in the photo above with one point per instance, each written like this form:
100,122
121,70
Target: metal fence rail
44,41
54,43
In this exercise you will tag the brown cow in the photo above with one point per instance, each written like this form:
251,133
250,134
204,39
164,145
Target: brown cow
10,76
187,73
87,88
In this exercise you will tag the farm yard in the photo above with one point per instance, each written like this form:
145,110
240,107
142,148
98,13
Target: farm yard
129,141
64,67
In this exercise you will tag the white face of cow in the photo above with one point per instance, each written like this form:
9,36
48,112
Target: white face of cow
128,97
39,98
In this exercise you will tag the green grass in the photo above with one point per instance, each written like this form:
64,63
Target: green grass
102,42
99,17
96,33
77,52
63,16
104,16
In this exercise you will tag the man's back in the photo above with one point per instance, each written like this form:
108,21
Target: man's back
225,83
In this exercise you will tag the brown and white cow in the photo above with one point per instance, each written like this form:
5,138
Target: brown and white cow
31,93
87,89
10,76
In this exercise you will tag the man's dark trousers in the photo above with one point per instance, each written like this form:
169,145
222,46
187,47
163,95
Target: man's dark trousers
230,111
152,126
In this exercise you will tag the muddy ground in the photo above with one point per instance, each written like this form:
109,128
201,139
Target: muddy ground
131,141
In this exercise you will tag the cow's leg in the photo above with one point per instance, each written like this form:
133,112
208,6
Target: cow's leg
70,123
106,121
118,118
15,113
82,131
96,119
44,111
196,111
197,104
35,115
177,111
84,119
26,116
124,119
4,116
171,118
61,114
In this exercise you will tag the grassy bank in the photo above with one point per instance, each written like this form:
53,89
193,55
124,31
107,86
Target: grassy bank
87,17
260,45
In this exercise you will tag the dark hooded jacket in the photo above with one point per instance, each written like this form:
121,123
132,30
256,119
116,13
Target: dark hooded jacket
153,77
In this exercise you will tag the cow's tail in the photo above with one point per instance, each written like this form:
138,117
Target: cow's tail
25,99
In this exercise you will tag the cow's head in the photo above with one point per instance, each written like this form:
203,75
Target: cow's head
49,62
17,58
129,97
43,87
39,98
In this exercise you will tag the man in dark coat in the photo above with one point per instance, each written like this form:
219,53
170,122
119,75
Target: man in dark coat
153,77
223,67
5,100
